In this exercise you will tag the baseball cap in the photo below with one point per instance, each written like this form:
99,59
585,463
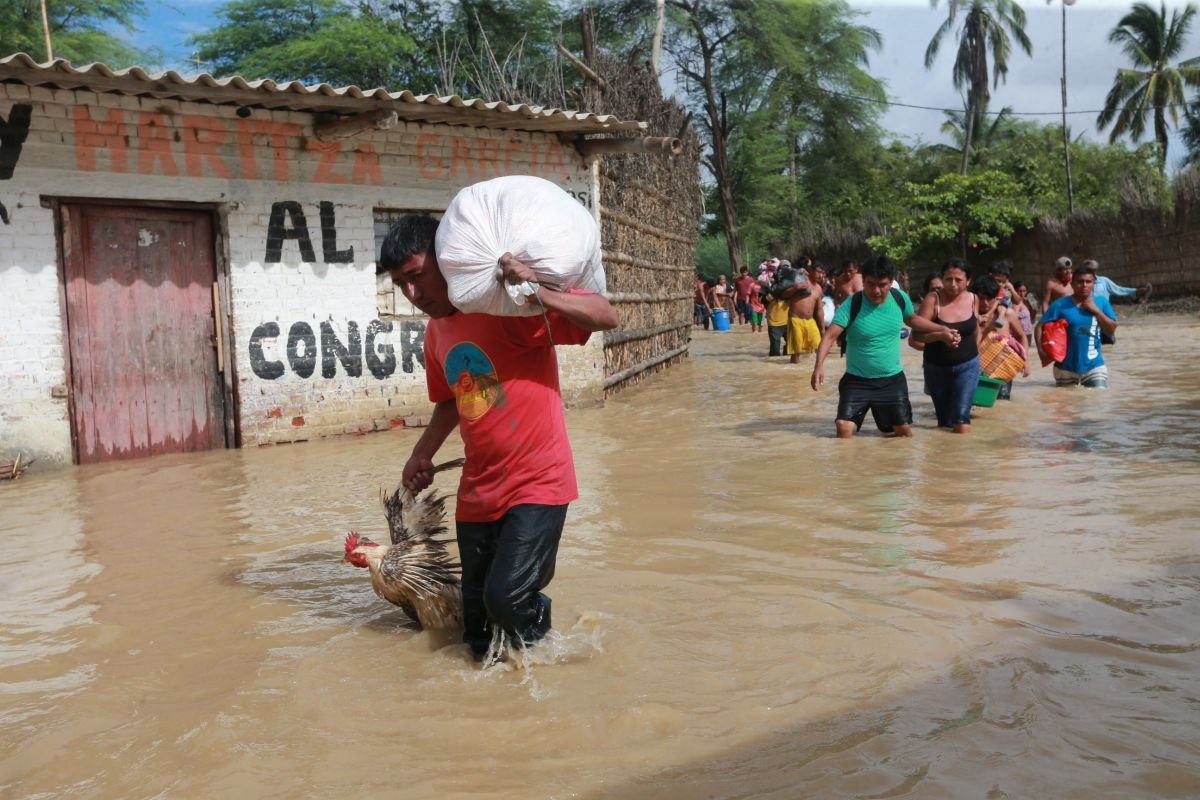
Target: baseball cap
1063,263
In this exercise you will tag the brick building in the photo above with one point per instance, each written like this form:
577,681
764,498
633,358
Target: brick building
188,263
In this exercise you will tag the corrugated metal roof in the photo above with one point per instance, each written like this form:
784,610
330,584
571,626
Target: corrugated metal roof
296,96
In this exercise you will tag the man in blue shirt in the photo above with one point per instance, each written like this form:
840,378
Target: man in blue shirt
1086,316
1108,289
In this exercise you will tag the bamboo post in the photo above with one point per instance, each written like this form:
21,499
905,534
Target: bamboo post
219,330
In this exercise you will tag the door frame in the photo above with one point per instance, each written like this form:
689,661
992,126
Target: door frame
218,212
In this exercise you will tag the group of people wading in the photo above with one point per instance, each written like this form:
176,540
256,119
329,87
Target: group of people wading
953,319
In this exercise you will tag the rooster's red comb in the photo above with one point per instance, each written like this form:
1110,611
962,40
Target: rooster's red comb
351,541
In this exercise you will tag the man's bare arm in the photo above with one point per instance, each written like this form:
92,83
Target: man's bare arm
589,312
818,373
1107,325
417,475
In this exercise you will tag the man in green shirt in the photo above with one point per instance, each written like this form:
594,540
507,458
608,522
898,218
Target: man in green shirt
874,379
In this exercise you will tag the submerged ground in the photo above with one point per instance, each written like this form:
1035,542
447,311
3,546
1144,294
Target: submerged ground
748,608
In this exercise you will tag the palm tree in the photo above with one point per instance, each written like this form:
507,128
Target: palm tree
1153,84
988,27
999,131
1190,133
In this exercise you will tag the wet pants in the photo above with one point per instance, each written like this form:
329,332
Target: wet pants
952,389
776,335
505,565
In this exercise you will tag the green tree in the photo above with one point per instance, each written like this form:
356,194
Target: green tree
312,41
1032,155
712,256
505,26
704,48
986,136
1190,133
988,28
469,47
1153,87
502,50
778,111
960,213
829,101
81,31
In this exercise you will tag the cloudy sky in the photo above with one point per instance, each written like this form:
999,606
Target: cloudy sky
906,26
1033,82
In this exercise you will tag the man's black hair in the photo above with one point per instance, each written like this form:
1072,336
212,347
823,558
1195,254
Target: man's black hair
986,287
956,263
1002,267
1084,269
409,236
878,266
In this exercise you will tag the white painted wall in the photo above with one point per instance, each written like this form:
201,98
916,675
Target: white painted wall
102,146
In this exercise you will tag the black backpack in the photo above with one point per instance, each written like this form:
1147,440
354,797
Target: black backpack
856,303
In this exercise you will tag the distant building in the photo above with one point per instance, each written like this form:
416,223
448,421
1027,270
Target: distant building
188,263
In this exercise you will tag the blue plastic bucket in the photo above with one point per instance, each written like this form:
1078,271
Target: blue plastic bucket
721,320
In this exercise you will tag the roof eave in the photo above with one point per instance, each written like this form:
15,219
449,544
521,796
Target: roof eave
295,96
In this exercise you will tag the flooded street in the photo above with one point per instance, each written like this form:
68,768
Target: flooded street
747,608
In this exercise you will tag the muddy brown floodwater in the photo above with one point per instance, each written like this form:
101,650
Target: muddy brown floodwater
746,608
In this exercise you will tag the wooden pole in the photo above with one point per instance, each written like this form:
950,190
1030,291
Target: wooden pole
46,31
1066,136
220,329
664,145
587,71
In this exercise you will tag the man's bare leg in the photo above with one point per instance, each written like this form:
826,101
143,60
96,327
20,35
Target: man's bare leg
902,431
845,428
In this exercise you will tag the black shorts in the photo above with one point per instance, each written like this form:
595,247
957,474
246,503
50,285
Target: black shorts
885,398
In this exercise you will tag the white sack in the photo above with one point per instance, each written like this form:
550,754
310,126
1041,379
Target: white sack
531,218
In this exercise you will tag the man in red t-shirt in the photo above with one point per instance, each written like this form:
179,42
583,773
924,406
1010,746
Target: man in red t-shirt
496,379
744,285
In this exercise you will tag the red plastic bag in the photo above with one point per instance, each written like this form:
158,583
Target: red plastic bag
1054,341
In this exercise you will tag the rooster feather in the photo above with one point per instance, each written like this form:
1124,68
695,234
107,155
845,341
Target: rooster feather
416,571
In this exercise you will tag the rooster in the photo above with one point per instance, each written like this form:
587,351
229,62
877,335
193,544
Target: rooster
416,571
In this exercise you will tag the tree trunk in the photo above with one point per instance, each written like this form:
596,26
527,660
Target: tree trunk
967,135
793,147
659,13
718,126
721,174
1160,133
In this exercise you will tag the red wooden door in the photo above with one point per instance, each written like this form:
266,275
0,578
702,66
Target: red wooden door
140,326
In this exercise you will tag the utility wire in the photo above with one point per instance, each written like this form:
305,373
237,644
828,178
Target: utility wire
950,110
897,103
